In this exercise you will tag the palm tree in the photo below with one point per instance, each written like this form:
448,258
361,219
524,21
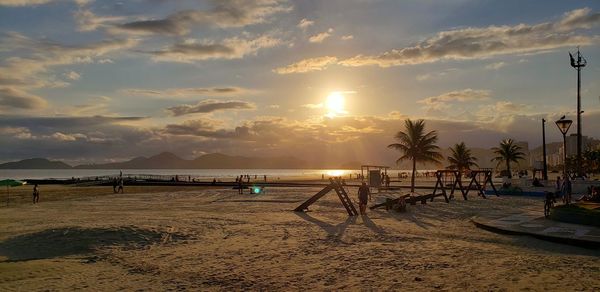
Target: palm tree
461,157
416,145
508,152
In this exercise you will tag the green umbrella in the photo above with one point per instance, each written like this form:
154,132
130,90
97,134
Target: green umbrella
10,183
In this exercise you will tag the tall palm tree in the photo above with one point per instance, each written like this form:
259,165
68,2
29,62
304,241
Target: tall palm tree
508,152
460,157
416,145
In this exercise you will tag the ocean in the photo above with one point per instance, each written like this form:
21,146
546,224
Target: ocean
201,174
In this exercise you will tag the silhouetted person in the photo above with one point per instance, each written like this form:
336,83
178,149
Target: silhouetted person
567,190
537,183
364,195
549,201
214,182
120,190
240,186
36,194
387,181
265,177
115,185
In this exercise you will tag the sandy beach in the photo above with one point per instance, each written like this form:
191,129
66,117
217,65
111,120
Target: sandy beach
156,239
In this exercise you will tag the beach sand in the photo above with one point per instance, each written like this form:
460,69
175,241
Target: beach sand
214,239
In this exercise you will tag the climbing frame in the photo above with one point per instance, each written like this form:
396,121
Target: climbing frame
335,185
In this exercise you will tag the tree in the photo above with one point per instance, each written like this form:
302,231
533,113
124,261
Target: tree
508,152
461,158
416,145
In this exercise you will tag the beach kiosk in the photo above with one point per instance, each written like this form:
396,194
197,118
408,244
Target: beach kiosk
374,174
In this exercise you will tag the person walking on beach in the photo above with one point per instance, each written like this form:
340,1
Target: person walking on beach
364,195
115,185
36,194
241,187
120,190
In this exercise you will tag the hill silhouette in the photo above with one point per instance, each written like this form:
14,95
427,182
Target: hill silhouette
167,160
35,163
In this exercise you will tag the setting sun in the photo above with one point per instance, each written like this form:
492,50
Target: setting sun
335,104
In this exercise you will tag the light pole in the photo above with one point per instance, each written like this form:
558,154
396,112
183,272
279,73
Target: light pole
564,125
545,167
578,63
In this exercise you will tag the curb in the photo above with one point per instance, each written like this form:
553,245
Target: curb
557,239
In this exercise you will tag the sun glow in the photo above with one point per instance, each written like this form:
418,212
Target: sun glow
335,104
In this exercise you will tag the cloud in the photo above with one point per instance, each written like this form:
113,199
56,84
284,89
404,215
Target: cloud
204,128
486,42
105,61
37,56
232,48
72,75
495,66
305,23
188,92
458,95
17,3
307,65
320,37
12,98
443,101
312,105
210,105
32,67
63,137
479,43
88,21
347,37
23,2
225,13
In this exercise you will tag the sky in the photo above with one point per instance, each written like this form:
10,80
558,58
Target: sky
87,81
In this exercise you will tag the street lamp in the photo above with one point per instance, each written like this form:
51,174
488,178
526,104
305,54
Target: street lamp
545,167
564,125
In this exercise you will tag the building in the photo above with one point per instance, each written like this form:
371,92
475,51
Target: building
526,162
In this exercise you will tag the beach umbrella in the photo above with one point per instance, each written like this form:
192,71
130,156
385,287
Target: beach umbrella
10,183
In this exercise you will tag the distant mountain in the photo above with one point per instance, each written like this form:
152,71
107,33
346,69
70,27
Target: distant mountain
160,161
35,163
167,160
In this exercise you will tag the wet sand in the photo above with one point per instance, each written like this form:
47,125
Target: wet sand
214,239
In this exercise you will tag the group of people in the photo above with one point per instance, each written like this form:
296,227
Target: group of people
592,195
118,185
564,189
385,180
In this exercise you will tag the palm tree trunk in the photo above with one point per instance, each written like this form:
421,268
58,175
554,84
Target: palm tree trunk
412,180
508,169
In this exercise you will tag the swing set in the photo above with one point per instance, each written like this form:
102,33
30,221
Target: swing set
452,179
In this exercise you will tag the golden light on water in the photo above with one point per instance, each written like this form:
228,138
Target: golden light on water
336,172
335,104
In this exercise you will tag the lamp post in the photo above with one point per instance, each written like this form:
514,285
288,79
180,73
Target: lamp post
545,167
578,63
564,125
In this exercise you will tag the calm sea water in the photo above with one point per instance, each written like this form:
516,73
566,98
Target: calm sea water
195,173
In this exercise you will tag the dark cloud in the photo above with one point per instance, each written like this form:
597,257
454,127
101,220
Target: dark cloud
210,105
225,13
11,98
232,48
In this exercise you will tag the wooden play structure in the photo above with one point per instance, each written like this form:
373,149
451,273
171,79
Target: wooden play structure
449,181
336,185
481,178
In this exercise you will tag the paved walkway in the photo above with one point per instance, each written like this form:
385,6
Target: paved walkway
533,225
